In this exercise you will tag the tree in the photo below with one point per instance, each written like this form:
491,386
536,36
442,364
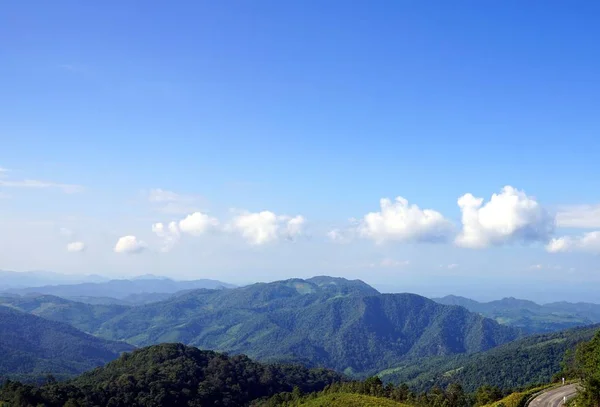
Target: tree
587,366
486,395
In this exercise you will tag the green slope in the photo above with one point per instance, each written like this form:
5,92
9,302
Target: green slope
527,361
85,317
31,346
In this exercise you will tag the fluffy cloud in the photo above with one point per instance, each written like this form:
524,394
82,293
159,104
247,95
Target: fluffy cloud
579,216
402,222
170,234
263,227
509,216
198,223
294,227
338,236
75,247
195,224
129,245
588,242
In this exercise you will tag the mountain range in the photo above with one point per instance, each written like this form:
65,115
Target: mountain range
529,316
120,290
22,279
323,321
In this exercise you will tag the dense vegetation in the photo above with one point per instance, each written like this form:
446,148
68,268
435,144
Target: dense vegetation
172,375
31,347
529,316
524,362
584,366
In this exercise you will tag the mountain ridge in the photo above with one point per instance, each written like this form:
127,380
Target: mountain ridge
528,315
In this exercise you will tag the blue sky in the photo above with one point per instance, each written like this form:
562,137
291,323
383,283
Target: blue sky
117,116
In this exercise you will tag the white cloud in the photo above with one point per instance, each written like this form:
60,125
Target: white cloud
31,183
195,224
263,227
452,266
3,172
508,217
295,226
345,235
588,242
169,234
129,245
536,267
579,216
336,235
75,247
198,223
405,223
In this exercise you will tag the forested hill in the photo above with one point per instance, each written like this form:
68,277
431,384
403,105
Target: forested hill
31,346
529,316
173,375
531,360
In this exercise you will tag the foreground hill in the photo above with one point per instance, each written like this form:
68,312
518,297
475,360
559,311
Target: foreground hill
337,323
531,360
529,316
173,375
31,346
121,289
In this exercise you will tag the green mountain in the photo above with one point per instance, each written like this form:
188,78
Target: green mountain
531,360
172,375
31,346
323,321
529,316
